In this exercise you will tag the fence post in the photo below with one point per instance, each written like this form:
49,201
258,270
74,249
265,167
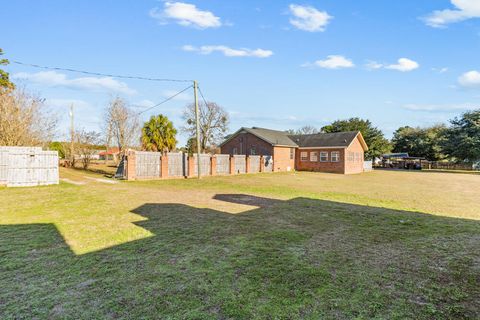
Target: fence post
247,164
191,166
213,165
262,164
131,165
232,164
164,166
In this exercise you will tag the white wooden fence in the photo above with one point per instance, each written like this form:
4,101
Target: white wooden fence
28,166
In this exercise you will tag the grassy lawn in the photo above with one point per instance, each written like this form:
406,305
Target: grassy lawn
385,244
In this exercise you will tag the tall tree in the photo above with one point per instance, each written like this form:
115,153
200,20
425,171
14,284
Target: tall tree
24,119
5,82
462,138
158,134
376,141
420,142
213,123
121,124
86,146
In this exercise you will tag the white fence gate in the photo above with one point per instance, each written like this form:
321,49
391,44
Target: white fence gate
28,166
240,163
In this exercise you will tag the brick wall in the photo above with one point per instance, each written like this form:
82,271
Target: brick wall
327,166
282,161
355,166
244,143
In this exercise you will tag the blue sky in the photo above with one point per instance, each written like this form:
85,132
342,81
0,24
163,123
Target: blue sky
276,64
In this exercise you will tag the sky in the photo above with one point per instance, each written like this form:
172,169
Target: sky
274,64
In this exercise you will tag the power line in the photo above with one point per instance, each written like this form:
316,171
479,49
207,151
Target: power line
164,101
100,74
203,98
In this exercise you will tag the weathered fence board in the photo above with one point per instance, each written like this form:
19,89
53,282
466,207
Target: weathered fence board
205,168
254,164
223,163
240,163
148,164
268,163
177,164
28,166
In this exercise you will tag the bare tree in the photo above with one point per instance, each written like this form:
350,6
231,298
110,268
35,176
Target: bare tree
24,120
304,130
213,122
122,126
85,146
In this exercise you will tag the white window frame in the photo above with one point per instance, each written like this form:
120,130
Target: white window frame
313,156
323,154
351,156
337,156
304,156
234,151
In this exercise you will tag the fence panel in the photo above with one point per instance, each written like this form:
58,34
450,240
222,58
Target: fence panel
3,167
367,165
223,164
148,164
30,167
268,163
177,165
204,165
254,164
240,163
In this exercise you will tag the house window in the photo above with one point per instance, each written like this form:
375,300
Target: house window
313,156
323,156
351,156
357,156
292,153
303,156
234,151
335,156
253,151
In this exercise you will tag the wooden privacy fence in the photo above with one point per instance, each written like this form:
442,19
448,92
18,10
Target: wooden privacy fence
28,166
155,165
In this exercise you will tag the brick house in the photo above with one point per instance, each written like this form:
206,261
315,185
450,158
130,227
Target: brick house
341,152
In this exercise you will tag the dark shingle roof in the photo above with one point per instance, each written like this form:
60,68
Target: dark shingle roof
276,138
337,139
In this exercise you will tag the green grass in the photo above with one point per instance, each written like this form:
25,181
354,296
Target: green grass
379,245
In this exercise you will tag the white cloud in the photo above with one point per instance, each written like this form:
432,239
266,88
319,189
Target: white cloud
230,52
464,10
440,70
403,65
332,62
186,14
55,79
470,79
308,18
439,107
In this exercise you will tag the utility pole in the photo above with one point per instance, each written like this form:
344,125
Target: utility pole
72,136
197,122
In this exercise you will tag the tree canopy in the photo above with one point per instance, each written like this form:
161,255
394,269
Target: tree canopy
462,139
5,82
213,123
159,134
376,141
420,142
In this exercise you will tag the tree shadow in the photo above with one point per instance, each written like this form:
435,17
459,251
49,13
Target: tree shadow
300,258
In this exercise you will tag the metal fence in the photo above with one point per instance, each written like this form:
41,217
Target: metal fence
28,166
148,164
223,164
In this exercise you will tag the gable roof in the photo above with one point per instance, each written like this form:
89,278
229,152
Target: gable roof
274,137
336,139
317,140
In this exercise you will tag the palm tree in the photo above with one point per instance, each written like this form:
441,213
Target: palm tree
158,134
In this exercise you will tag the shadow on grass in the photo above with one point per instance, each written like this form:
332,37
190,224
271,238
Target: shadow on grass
301,258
